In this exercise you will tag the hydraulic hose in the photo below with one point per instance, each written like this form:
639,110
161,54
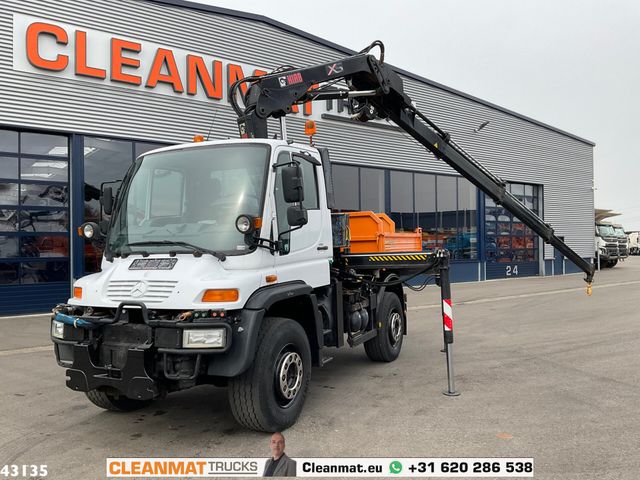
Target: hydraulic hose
75,321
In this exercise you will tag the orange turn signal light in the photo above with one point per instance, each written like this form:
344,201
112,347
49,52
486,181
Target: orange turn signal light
198,138
271,278
257,223
309,127
77,292
221,295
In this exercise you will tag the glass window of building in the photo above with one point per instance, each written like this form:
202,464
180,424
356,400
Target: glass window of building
425,203
34,208
507,239
447,217
44,144
345,187
467,238
372,189
402,210
8,167
9,141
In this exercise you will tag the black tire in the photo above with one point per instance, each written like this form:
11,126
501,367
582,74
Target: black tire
116,403
259,401
386,346
613,263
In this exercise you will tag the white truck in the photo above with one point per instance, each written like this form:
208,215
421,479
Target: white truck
623,241
224,265
606,245
634,243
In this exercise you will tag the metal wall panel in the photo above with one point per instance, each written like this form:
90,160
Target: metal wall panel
514,148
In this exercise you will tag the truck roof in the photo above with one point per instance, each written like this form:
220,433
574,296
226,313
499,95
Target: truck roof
271,143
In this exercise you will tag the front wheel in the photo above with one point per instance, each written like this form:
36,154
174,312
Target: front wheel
386,346
269,395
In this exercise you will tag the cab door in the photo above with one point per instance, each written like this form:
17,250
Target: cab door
306,250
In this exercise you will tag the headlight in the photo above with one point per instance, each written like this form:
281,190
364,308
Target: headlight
244,224
88,230
57,329
204,338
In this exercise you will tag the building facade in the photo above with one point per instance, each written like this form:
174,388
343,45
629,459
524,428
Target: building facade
87,85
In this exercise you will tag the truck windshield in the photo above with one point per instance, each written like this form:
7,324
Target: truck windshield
606,231
192,195
619,232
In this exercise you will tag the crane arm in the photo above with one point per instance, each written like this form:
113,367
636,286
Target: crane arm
376,91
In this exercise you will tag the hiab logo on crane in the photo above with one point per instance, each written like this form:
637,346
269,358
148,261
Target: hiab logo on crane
58,49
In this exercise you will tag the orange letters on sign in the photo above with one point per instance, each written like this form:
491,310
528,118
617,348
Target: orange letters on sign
33,54
118,61
196,69
165,57
81,58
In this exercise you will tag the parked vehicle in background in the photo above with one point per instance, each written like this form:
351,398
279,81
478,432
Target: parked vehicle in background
634,246
606,245
623,241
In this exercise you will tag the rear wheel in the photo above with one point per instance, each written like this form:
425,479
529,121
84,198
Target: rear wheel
269,395
386,346
115,403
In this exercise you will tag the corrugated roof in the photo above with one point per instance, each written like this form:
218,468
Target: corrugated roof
347,51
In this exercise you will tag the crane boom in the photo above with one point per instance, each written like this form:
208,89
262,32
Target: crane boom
376,91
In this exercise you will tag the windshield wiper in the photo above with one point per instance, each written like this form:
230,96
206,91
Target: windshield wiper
197,251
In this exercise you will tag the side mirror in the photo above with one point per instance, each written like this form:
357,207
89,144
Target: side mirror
106,200
297,216
292,188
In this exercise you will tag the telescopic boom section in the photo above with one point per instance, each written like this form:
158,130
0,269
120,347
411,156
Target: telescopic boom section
377,92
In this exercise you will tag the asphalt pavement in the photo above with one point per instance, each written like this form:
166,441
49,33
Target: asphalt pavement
544,371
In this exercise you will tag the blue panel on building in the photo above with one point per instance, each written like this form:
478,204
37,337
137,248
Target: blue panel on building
458,272
509,270
570,267
548,267
464,272
17,299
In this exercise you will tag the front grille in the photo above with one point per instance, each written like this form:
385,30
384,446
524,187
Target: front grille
155,291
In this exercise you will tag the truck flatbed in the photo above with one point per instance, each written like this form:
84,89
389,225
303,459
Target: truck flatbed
394,260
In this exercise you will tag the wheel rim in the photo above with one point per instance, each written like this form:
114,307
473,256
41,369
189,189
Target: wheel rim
289,374
395,328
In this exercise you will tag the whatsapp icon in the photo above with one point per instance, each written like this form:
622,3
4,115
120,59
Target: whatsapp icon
395,467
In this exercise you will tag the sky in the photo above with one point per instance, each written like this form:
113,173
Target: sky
571,64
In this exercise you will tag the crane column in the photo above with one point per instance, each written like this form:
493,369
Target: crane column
447,321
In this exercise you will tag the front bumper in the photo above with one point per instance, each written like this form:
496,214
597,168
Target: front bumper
142,360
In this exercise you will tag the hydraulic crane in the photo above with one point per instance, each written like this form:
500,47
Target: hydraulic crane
375,90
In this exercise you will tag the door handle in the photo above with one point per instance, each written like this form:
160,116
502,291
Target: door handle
323,247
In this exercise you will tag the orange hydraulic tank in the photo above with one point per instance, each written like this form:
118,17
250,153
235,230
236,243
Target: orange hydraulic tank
376,232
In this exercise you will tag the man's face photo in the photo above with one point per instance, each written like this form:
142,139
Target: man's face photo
277,445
